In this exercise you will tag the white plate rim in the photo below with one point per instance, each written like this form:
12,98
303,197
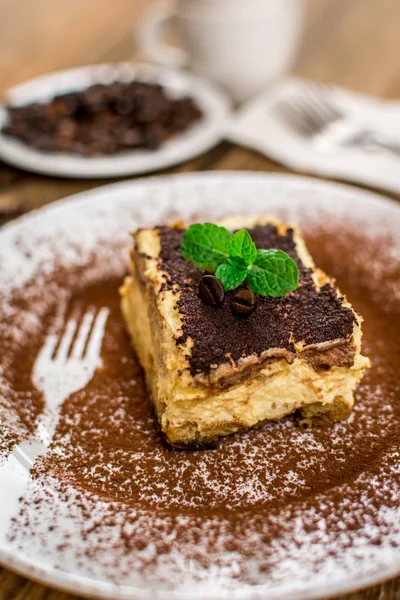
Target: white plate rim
199,138
85,586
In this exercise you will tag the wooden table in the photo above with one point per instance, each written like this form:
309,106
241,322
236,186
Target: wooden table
353,43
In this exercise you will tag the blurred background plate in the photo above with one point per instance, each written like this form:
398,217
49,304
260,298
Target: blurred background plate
179,148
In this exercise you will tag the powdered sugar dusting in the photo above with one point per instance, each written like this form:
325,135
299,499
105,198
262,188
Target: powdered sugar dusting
112,502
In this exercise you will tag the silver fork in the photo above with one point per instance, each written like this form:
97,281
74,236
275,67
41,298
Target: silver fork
311,113
64,365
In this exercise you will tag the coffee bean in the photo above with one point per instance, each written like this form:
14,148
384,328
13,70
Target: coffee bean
131,138
211,290
124,105
103,119
154,135
67,129
243,303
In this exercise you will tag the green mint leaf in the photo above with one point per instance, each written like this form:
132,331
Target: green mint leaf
273,273
237,263
206,245
230,276
234,258
242,246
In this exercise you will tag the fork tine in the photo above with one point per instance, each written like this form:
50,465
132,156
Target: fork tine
311,111
294,117
82,335
301,116
317,92
66,340
47,350
96,337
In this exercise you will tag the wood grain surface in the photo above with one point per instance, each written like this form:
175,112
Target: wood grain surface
354,43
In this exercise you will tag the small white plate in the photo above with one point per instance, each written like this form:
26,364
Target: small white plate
199,138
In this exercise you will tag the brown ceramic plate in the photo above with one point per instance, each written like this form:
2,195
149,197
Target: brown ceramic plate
111,511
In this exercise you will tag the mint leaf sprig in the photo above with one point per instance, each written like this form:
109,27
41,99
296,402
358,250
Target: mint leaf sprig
234,258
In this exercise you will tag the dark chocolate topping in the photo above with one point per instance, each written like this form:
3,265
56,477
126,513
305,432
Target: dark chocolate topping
305,315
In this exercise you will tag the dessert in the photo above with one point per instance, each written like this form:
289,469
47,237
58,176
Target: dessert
102,119
211,370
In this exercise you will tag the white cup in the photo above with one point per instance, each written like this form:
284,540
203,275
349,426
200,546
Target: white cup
242,45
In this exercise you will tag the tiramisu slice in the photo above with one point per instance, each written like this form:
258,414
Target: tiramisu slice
219,361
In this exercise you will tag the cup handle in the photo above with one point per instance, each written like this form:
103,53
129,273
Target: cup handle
149,33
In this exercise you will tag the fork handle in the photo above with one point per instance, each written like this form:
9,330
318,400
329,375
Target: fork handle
385,144
372,141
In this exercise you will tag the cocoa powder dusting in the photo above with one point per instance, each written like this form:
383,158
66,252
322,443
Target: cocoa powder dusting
20,402
272,500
